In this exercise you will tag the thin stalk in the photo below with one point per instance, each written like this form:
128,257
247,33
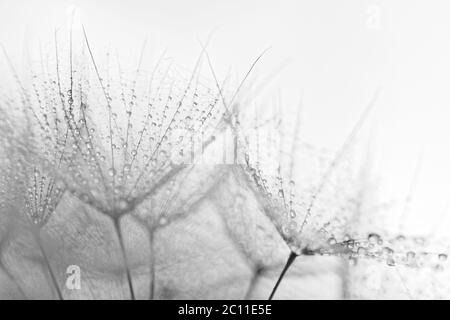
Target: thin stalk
125,258
289,262
47,264
152,265
253,281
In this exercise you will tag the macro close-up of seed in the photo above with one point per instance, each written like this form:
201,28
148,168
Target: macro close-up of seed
224,150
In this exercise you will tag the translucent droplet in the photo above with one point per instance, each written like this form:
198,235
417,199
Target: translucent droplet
373,238
410,255
388,251
352,261
292,214
390,262
332,241
362,251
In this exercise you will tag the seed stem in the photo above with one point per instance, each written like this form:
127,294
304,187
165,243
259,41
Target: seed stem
125,258
47,264
253,281
152,265
289,261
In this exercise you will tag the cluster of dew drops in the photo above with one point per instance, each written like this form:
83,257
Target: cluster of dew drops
42,197
398,251
144,129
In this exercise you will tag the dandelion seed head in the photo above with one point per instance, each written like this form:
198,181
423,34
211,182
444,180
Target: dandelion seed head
113,134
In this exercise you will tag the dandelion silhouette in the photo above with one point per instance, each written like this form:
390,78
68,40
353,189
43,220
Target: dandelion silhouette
125,160
38,204
30,192
114,139
146,140
124,144
319,217
278,200
173,202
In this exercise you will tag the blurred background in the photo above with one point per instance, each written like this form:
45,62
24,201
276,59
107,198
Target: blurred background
335,54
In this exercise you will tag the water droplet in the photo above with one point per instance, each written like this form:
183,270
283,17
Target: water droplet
373,238
332,241
410,255
362,251
292,214
388,252
390,262
352,261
